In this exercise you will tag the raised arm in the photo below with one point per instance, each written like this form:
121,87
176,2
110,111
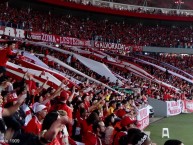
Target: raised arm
9,111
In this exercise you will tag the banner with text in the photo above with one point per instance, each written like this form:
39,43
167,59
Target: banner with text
51,38
117,46
12,32
174,107
111,46
58,39
187,106
143,118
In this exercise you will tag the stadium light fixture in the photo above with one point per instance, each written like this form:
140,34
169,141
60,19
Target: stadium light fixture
179,3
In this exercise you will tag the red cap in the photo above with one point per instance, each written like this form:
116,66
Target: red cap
126,121
64,95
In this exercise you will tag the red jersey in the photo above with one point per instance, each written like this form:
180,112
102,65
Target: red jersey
84,129
55,142
118,136
4,53
69,114
92,139
66,108
34,126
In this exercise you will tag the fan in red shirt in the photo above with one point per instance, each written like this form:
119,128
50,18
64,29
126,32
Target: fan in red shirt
86,125
5,54
61,105
35,124
126,123
94,137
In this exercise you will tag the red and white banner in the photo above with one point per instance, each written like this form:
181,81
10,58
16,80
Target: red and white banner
75,41
66,40
111,46
35,36
19,33
55,74
143,118
58,39
12,32
137,48
17,72
187,106
174,107
50,38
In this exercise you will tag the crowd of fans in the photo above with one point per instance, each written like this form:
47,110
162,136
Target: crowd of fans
164,76
183,65
89,113
184,62
147,88
141,7
87,28
39,115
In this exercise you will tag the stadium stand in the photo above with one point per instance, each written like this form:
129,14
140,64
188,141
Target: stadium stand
72,95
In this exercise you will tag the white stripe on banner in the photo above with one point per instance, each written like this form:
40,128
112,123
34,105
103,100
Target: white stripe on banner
62,73
137,68
69,77
149,77
169,65
21,75
51,78
163,69
34,58
67,52
78,72
99,68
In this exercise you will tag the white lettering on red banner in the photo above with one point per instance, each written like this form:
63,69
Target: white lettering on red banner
8,31
77,42
50,38
112,46
174,107
87,43
36,36
66,40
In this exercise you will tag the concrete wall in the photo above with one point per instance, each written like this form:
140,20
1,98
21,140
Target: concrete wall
169,50
160,107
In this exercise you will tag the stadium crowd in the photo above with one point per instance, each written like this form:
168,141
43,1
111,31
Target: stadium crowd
87,28
140,7
165,76
148,88
44,116
34,114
